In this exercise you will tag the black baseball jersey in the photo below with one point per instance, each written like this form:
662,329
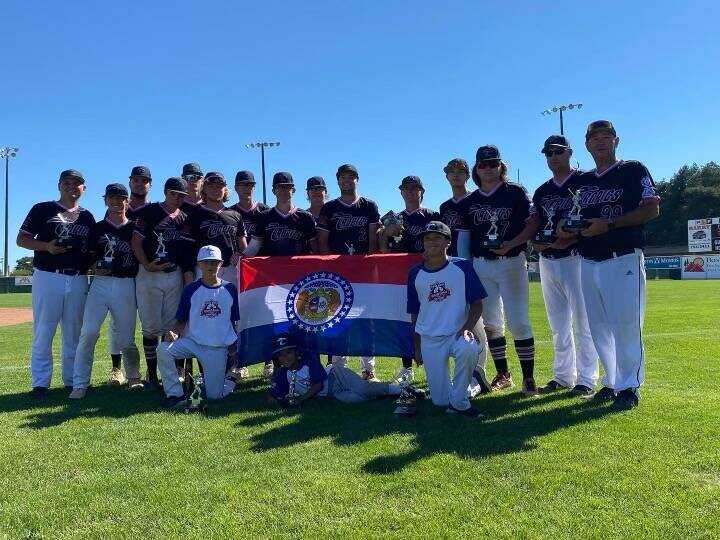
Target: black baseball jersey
251,217
414,224
153,222
614,192
190,207
348,225
49,221
451,215
108,238
285,234
220,229
555,198
132,212
508,203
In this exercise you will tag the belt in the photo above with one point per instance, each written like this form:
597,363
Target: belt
610,255
63,271
497,257
558,257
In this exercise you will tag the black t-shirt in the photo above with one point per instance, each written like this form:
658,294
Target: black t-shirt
132,212
251,217
414,224
124,263
48,221
220,229
451,215
285,234
153,222
348,225
558,197
191,207
509,203
611,194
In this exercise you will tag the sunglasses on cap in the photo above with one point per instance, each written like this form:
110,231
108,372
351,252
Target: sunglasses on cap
554,151
489,164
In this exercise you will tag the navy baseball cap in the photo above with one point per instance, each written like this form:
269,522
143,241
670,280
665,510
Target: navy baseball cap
191,169
142,171
599,125
281,342
437,227
457,163
244,177
113,190
178,185
215,176
72,173
283,179
347,167
487,152
555,140
411,180
316,182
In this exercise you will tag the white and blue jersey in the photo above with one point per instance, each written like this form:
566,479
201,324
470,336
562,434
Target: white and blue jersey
440,298
309,371
210,313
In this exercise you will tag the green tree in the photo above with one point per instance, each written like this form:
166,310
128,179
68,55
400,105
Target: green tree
23,267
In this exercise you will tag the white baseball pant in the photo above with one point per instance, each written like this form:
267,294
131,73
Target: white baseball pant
435,354
347,386
506,283
115,340
117,296
614,292
575,360
367,363
56,299
213,362
158,296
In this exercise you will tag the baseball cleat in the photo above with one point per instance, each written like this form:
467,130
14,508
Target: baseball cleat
470,412
502,381
151,385
625,400
116,377
551,386
479,379
404,374
39,391
417,393
529,388
134,383
241,373
580,390
77,393
174,402
268,371
604,394
369,376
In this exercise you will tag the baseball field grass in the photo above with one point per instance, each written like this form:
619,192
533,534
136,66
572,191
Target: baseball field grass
115,465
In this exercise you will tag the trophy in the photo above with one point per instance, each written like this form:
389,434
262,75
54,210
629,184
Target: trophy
574,221
547,235
406,403
292,396
493,240
106,262
161,254
391,219
65,239
196,401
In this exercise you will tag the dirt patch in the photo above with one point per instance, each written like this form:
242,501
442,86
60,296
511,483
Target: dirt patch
15,315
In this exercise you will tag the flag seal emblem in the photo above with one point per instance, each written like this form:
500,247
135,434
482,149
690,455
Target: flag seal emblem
319,301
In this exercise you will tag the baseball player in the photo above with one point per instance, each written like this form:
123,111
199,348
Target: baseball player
498,222
204,329
299,376
348,225
58,232
112,290
457,173
575,362
406,237
193,175
617,198
444,299
161,247
140,182
317,196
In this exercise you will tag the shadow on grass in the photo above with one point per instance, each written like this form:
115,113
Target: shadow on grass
512,425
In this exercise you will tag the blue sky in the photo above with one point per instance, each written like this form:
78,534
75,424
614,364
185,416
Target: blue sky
396,88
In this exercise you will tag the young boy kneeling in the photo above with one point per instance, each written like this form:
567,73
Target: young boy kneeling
206,319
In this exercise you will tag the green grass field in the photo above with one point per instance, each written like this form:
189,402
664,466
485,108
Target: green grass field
116,465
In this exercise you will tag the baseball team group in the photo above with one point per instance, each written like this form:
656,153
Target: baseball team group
174,263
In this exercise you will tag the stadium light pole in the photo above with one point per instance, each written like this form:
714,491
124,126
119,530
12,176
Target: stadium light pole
261,145
7,152
561,109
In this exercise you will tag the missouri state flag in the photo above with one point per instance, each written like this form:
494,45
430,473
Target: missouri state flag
335,304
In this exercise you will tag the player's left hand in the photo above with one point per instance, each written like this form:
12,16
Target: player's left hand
503,249
597,226
170,336
467,335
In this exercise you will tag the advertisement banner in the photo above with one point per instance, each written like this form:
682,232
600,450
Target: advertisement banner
701,267
716,234
699,235
23,281
663,262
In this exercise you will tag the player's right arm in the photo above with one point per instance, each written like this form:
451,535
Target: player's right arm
30,229
413,308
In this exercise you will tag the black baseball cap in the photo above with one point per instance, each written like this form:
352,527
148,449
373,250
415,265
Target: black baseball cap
244,177
600,125
215,176
142,171
487,152
281,342
113,190
283,179
191,169
437,227
411,180
457,163
316,182
176,184
72,173
347,167
557,141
